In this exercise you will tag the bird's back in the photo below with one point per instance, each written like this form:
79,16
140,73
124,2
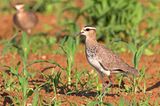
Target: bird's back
25,20
113,62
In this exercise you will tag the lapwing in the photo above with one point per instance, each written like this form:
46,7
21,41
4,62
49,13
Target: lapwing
103,59
24,20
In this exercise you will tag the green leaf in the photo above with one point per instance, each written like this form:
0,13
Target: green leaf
35,98
93,103
121,102
29,92
132,48
24,85
45,61
140,51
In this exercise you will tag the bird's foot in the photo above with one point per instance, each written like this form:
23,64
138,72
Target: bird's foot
107,84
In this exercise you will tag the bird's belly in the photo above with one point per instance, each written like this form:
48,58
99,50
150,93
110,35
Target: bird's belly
95,63
25,21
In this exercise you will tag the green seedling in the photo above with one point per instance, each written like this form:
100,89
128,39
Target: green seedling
45,61
56,82
144,102
140,79
77,76
23,50
68,45
9,80
91,79
122,102
134,102
37,42
35,97
52,81
22,86
99,102
137,52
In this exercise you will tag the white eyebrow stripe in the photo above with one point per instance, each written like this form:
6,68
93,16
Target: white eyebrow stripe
90,28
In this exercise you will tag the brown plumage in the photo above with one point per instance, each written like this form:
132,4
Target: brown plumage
24,20
112,62
101,58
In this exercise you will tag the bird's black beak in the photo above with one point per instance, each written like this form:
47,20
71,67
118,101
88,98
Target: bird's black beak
81,33
77,34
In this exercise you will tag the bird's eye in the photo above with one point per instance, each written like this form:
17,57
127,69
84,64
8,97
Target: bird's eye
87,29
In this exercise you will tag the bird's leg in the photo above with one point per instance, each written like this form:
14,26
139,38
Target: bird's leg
19,36
109,77
110,81
15,34
29,31
13,39
103,81
17,39
106,85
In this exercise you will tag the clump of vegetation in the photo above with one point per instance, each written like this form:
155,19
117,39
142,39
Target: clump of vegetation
69,48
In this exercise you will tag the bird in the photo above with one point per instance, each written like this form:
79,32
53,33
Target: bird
103,59
24,20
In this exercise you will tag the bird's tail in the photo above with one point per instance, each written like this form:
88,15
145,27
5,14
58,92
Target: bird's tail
133,71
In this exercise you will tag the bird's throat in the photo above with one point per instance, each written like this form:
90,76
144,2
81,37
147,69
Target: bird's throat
90,42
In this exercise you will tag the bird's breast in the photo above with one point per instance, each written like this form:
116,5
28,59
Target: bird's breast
91,56
91,51
26,20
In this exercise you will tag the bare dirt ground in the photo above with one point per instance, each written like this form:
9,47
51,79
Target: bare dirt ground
152,64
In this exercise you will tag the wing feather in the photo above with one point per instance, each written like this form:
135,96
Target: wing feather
113,62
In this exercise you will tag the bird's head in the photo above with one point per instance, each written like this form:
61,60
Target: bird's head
88,31
19,7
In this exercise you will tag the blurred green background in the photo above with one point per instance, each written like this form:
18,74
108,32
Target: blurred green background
118,22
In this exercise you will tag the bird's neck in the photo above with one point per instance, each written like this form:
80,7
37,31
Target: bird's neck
90,42
21,10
